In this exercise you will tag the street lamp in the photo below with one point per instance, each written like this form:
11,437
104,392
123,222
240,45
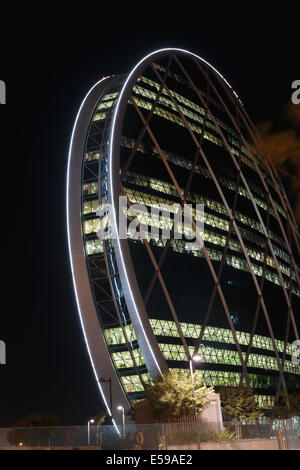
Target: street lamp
196,358
121,408
90,421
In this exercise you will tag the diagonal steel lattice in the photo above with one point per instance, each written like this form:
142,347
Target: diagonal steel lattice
129,104
146,127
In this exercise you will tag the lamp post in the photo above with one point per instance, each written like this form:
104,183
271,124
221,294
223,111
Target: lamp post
90,421
121,408
102,379
196,358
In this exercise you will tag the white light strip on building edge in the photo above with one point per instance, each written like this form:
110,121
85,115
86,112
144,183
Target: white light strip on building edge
70,251
110,166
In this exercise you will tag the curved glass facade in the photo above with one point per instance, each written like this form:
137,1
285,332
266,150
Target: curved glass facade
184,138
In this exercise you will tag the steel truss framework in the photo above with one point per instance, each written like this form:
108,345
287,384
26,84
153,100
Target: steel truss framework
114,284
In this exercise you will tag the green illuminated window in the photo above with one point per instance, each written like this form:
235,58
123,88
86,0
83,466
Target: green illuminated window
132,383
190,330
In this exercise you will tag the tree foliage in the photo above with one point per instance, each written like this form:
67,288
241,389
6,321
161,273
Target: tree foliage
33,430
171,396
281,143
100,418
239,403
288,405
38,419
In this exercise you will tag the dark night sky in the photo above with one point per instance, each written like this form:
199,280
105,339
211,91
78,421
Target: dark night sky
49,61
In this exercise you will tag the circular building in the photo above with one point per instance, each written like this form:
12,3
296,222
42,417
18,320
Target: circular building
172,138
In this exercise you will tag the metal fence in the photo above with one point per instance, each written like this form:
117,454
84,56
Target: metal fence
262,434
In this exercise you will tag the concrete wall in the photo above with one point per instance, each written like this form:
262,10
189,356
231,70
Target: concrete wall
247,444
212,413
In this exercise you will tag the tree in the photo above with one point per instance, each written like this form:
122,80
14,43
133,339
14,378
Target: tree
288,406
33,430
38,419
281,143
100,418
239,403
171,396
